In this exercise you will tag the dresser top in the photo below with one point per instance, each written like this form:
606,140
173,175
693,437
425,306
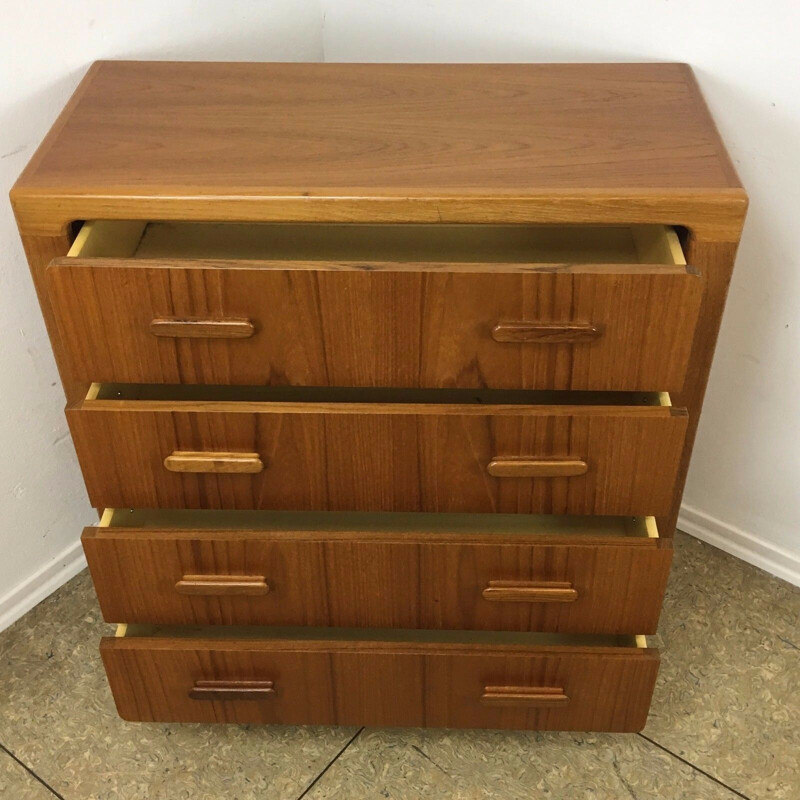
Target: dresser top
357,142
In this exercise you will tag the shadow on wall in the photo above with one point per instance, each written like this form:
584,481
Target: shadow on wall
746,464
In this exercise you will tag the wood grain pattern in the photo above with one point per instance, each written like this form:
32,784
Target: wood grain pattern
376,578
381,683
358,327
358,142
379,457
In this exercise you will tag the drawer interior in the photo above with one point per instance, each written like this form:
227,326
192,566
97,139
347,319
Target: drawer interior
305,634
176,520
469,398
299,242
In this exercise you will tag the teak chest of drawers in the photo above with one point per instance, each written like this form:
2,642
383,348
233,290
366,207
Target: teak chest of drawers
383,378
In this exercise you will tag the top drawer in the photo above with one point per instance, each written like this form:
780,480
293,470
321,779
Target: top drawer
498,306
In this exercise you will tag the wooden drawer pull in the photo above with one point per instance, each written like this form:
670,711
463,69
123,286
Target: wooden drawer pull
525,467
545,332
530,592
223,585
524,696
198,461
232,690
196,328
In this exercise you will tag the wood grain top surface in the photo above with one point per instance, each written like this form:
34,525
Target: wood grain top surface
165,132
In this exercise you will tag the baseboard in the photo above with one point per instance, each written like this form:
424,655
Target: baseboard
35,588
750,548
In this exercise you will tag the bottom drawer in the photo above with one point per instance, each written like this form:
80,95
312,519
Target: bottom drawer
336,676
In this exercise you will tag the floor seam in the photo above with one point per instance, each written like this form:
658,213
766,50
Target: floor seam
31,772
329,764
695,767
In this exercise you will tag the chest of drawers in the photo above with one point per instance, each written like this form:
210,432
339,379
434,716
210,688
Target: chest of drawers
383,378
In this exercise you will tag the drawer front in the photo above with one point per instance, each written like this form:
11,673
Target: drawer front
365,457
378,580
589,328
382,684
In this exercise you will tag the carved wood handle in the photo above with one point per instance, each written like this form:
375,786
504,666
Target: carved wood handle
222,585
198,328
232,690
531,467
546,332
543,696
200,461
530,592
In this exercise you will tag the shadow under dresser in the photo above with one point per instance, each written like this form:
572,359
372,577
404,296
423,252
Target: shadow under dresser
384,379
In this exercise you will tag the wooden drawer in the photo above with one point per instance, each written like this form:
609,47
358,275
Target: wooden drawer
435,571
533,307
339,677
137,451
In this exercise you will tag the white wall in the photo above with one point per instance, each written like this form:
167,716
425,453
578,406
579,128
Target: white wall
742,483
45,48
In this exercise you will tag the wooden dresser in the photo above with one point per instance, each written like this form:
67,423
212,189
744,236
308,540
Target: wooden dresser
383,378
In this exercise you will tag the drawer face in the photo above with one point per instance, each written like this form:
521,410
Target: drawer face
552,326
156,679
380,578
378,457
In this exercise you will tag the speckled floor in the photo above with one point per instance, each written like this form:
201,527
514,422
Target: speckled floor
725,721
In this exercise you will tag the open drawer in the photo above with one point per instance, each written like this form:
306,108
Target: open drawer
380,677
498,306
437,571
157,446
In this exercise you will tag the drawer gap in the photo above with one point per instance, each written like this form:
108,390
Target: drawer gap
326,394
429,244
386,523
303,633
